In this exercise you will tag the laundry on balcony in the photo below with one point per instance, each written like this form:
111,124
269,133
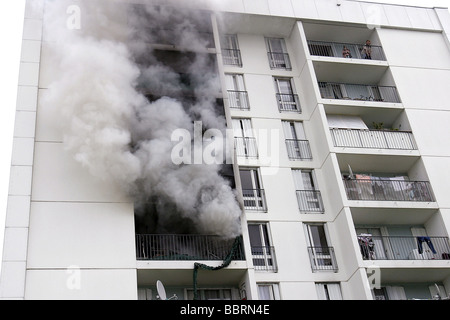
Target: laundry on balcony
367,246
427,240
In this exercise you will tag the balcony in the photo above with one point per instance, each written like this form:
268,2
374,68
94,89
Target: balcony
403,247
279,60
411,290
298,149
246,147
264,258
322,259
377,139
338,50
387,189
170,247
358,92
232,57
288,102
254,199
310,201
238,100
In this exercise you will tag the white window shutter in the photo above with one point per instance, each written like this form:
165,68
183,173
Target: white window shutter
396,293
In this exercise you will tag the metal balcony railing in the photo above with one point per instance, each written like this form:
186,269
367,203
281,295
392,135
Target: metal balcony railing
246,147
298,149
254,199
238,100
264,258
343,50
232,57
382,189
403,247
288,102
359,92
378,139
185,247
310,201
279,60
322,259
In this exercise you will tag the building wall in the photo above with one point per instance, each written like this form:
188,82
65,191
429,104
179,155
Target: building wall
12,284
421,76
68,235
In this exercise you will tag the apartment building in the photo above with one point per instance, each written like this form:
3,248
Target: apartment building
338,118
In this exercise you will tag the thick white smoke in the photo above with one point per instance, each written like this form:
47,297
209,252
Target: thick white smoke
114,131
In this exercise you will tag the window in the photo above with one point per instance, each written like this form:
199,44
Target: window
277,53
308,196
236,91
145,294
296,143
230,50
321,254
243,136
389,293
262,252
331,90
287,99
268,291
210,294
329,291
252,191
380,294
376,94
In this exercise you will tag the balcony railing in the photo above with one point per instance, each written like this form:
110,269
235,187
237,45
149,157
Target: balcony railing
403,247
378,139
254,199
382,189
246,147
238,100
338,50
264,258
359,92
322,259
185,247
310,201
298,149
288,102
279,60
232,57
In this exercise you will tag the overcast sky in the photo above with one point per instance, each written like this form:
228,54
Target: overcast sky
11,22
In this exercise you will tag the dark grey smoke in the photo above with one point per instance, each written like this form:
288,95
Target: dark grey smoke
120,99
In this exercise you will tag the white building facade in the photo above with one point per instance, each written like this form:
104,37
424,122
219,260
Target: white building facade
340,165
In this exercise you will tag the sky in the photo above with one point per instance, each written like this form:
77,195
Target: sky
11,27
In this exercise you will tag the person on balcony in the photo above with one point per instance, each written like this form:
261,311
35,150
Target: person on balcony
366,51
346,52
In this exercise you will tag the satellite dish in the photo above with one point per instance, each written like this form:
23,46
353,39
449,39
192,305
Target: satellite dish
161,290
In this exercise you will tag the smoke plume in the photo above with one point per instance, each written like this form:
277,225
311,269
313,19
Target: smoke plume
119,100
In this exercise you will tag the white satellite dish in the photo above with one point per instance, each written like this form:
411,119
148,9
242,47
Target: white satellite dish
161,290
